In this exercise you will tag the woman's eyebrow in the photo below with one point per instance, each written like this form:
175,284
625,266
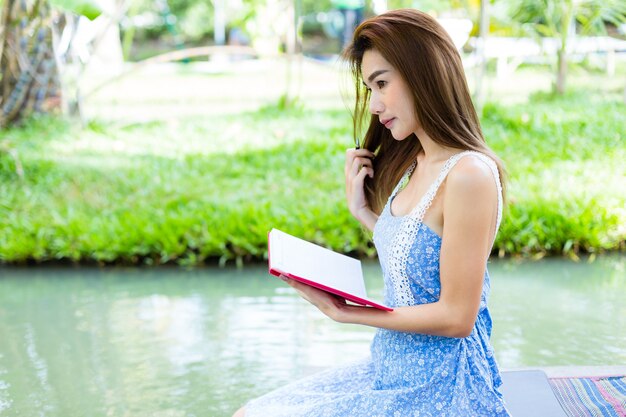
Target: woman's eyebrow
376,74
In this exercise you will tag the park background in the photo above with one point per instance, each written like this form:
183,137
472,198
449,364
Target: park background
177,134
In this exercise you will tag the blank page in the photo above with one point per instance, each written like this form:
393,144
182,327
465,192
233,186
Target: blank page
303,259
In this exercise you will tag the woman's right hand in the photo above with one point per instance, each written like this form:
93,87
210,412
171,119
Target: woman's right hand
358,165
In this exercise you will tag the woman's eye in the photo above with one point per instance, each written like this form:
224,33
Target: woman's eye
381,84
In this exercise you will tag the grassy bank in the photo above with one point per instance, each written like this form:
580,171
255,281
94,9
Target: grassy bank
194,190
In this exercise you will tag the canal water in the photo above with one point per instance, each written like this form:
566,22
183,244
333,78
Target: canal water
175,342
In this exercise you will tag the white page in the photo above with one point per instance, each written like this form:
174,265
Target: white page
304,259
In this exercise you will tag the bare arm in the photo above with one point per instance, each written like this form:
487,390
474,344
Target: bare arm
470,205
358,166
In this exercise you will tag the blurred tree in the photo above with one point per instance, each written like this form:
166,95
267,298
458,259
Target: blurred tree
481,67
195,19
29,73
560,19
315,6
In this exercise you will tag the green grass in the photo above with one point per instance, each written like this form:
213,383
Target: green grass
567,173
199,190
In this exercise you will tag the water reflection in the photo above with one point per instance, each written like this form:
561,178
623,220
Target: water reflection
554,313
170,342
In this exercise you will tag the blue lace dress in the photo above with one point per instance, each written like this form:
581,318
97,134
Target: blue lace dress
408,374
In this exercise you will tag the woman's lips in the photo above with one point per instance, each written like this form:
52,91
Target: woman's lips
388,122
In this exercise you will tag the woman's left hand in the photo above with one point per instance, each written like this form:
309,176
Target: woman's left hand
330,304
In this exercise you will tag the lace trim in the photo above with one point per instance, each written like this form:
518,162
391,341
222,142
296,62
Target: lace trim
402,182
404,239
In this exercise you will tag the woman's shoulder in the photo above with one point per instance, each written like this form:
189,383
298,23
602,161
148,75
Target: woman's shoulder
472,175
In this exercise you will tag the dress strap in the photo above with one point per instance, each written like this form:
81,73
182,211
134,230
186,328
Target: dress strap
427,199
403,180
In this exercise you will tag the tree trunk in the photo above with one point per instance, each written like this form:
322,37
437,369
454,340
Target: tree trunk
29,80
567,33
561,71
219,22
481,67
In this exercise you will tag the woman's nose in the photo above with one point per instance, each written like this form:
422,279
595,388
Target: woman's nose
376,105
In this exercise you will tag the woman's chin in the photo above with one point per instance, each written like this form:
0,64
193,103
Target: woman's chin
400,136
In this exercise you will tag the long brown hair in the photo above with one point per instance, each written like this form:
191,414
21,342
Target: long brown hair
425,56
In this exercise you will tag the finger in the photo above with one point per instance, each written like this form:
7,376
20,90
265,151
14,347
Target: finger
303,289
364,161
303,295
352,153
357,163
360,177
363,152
356,182
308,293
287,280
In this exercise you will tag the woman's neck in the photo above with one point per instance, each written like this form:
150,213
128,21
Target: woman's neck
432,152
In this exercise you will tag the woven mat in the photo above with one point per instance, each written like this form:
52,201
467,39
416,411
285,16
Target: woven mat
591,397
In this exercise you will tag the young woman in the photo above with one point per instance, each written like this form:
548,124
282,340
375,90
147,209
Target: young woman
429,188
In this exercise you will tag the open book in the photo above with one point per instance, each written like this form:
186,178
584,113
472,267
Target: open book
319,267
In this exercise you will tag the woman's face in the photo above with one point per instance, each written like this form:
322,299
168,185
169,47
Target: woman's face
390,98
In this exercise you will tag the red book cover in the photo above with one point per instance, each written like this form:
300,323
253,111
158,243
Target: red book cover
318,267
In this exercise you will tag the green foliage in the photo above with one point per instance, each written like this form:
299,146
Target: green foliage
88,8
553,18
193,23
559,19
284,104
565,158
197,190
